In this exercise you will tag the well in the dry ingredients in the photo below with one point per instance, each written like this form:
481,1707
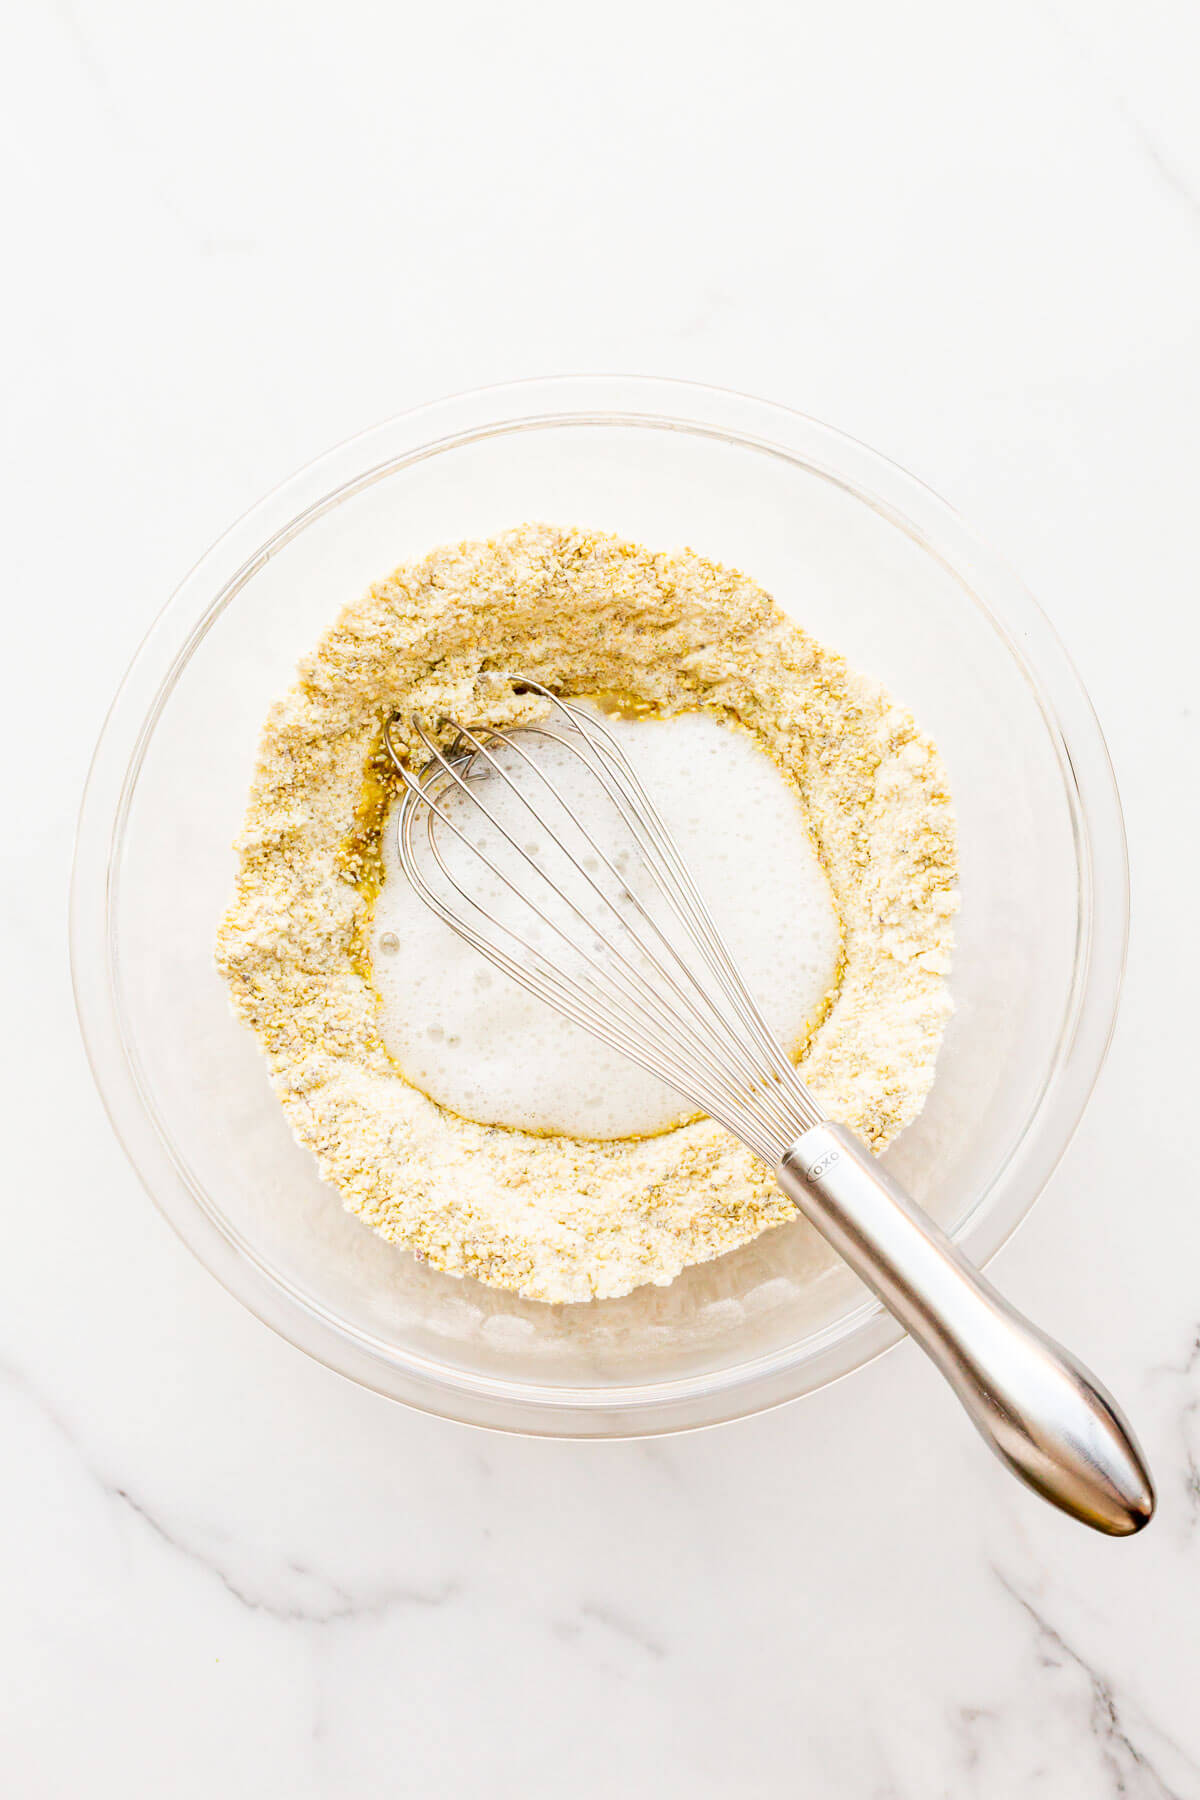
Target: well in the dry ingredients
477,1041
510,1167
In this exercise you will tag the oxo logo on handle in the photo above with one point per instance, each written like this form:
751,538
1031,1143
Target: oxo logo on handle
823,1163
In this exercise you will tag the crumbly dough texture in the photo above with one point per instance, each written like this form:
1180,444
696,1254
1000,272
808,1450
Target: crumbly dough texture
555,1218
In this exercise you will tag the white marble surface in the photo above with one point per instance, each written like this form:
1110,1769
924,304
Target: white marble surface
239,232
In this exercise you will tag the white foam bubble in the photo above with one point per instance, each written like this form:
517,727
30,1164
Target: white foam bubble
473,1039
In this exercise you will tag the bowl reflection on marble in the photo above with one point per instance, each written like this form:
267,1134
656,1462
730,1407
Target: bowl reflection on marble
869,561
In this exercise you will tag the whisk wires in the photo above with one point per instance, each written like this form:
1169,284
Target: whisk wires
640,965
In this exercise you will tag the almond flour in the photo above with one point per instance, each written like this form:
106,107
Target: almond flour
558,1218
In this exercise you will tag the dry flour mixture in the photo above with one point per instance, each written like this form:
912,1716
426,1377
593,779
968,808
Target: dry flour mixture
557,1217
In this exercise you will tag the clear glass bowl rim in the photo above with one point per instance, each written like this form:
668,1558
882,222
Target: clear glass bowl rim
426,431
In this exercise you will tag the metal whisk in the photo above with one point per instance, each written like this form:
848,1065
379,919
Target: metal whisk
595,912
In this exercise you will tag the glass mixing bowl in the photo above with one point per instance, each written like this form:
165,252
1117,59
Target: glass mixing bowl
868,560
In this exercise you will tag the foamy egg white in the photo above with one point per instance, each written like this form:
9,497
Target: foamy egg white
474,1040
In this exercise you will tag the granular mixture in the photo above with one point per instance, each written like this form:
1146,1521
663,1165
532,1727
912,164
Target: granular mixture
560,1218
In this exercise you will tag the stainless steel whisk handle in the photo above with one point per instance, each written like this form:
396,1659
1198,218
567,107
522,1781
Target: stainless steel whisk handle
1041,1411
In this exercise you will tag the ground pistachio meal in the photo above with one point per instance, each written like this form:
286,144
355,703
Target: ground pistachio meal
583,612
